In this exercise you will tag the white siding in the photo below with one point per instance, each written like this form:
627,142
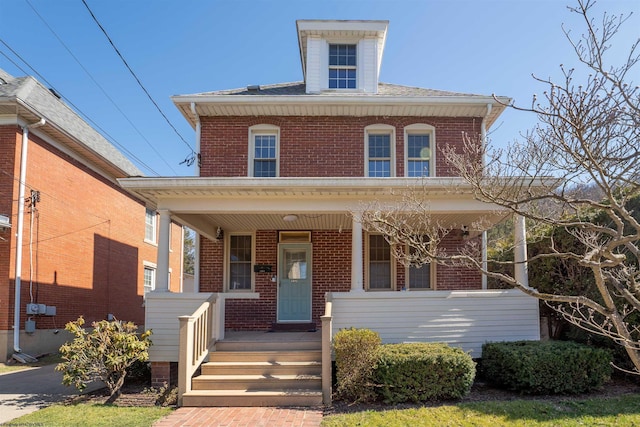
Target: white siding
368,65
162,310
465,319
316,62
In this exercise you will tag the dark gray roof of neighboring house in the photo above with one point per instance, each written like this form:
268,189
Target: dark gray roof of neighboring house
298,88
25,96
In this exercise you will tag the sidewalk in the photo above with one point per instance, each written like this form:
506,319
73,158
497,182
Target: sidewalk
26,391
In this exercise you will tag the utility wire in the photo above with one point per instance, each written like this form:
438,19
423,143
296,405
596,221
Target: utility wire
100,87
192,157
68,101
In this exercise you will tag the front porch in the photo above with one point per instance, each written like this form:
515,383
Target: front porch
188,330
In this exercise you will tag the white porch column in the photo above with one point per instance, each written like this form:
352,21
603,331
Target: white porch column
162,265
357,275
520,250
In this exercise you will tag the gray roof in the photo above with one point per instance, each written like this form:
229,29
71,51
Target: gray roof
27,98
298,88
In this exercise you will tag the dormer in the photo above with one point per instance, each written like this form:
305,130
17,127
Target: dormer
341,56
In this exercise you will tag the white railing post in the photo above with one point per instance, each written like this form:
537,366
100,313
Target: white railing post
326,351
185,356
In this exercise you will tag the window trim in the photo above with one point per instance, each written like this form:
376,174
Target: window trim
367,263
227,262
262,129
420,129
380,129
154,226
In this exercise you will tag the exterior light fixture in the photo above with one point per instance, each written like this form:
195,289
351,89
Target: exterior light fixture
290,218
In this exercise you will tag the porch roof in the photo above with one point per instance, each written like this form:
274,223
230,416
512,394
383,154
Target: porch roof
245,204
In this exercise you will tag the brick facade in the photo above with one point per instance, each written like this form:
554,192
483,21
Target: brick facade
319,146
87,239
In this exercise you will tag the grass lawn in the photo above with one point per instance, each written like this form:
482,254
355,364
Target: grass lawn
46,360
618,411
92,414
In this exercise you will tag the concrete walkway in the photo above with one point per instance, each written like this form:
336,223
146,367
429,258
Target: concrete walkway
26,391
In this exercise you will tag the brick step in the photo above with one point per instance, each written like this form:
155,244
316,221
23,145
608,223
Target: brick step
266,356
288,397
257,382
262,368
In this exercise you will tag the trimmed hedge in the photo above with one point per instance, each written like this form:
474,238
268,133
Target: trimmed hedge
356,355
418,372
546,367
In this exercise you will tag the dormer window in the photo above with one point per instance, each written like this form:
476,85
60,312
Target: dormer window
342,66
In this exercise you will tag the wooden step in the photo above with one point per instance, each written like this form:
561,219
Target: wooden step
262,368
288,397
304,344
257,382
266,356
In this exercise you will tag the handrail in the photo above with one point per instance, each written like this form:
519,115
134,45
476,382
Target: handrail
196,333
326,349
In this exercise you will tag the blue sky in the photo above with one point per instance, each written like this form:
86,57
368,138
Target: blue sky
192,46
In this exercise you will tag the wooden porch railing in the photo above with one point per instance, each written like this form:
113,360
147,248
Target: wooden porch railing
197,331
326,351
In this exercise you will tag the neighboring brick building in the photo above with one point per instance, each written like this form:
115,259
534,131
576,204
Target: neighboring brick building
88,247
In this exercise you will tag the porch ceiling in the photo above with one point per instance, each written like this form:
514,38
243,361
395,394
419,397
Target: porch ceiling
246,204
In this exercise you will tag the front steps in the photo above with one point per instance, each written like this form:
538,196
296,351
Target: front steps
277,372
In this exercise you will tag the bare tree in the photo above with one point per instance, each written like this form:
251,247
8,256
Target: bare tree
588,137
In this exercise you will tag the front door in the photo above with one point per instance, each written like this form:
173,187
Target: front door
294,282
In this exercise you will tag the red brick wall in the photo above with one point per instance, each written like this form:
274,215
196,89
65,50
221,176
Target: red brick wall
331,273
318,146
88,248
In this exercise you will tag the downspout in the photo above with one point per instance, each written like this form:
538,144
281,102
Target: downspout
196,239
18,268
483,140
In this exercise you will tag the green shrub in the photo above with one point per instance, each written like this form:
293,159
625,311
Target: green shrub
418,372
103,354
356,355
549,367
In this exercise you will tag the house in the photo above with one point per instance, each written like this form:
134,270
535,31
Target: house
72,242
285,171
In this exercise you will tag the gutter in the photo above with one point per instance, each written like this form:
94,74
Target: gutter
18,266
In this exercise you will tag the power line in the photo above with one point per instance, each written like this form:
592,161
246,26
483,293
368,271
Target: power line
192,157
100,87
68,101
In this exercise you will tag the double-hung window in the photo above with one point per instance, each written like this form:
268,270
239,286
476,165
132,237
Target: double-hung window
149,278
419,149
418,275
380,271
240,262
263,151
342,66
379,150
150,226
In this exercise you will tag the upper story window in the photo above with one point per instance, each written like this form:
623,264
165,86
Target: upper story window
342,66
419,150
264,151
240,252
150,226
379,151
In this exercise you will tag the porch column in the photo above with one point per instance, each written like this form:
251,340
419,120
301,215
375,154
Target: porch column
356,255
520,250
162,274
